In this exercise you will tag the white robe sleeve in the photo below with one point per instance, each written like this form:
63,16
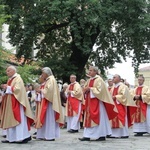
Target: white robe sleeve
8,90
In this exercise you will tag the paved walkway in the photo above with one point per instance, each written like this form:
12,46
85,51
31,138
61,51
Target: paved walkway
69,141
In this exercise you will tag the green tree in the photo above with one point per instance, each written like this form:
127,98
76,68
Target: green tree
65,31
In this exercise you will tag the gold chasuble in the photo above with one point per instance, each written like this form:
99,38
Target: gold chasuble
51,95
92,110
38,108
142,103
125,106
10,115
74,99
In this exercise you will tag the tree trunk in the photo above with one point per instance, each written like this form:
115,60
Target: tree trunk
79,59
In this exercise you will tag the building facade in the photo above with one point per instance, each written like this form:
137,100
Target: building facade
145,71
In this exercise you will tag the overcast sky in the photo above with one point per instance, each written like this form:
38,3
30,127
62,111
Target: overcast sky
125,70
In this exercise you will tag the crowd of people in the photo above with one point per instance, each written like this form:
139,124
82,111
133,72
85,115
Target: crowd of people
103,111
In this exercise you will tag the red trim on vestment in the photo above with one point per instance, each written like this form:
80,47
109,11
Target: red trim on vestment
142,107
16,107
121,111
131,115
44,107
92,108
73,103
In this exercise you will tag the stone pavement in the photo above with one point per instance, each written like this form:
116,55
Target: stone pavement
69,141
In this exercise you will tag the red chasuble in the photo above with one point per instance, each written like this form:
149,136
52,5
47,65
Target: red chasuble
73,103
141,109
121,112
92,109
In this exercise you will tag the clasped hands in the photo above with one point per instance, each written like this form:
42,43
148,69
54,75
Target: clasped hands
137,97
86,89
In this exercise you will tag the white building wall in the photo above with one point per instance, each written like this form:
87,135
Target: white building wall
5,40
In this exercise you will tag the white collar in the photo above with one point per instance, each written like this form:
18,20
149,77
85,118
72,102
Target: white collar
73,82
117,84
13,76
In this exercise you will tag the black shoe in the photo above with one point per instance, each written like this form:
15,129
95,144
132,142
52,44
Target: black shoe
5,141
107,136
73,131
112,137
101,139
138,134
34,133
24,141
124,137
49,140
84,139
4,136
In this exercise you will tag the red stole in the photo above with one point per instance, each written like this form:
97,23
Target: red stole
141,109
15,104
121,112
73,103
92,109
44,106
16,107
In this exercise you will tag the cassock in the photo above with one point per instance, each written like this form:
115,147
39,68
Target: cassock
16,115
126,110
73,106
51,113
142,117
99,109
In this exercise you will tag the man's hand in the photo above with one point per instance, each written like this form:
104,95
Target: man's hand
86,89
137,97
69,92
114,97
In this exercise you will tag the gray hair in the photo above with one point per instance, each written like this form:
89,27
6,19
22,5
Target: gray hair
47,70
95,68
65,85
13,68
36,85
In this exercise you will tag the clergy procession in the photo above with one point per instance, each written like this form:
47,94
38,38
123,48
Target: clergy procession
102,110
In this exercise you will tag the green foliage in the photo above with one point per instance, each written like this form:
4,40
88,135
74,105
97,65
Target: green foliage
65,31
3,16
27,73
3,77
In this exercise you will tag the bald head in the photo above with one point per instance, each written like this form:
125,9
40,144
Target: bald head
10,71
116,78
